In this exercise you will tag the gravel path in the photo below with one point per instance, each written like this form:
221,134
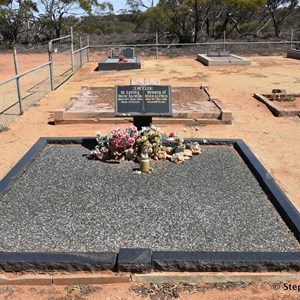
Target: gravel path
66,202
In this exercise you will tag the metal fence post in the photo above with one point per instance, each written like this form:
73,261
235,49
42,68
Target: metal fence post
88,49
18,80
156,39
80,52
51,66
72,51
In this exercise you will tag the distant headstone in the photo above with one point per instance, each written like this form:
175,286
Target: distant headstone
138,100
128,52
116,52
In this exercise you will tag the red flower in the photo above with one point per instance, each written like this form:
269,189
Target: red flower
172,134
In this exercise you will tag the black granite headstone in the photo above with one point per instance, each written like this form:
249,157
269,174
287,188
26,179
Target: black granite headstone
128,52
138,100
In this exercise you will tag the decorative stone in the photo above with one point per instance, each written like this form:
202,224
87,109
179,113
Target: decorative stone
196,149
188,152
178,158
163,155
169,150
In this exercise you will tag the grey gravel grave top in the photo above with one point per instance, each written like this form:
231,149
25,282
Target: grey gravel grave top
66,202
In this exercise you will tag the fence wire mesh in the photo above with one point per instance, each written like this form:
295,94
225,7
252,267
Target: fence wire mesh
81,55
238,48
61,57
9,105
80,58
34,86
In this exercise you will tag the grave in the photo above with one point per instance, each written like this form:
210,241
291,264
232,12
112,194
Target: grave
112,62
280,103
142,102
293,53
222,58
188,105
227,213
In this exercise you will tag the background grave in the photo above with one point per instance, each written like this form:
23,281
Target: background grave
112,62
287,106
222,58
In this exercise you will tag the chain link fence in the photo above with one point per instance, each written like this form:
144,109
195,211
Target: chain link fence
60,54
34,86
9,108
239,48
81,55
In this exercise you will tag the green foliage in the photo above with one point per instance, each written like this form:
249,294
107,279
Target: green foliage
247,4
279,11
248,27
186,20
12,16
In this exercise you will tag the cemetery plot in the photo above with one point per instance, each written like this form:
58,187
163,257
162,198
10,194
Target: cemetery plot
281,105
120,59
97,104
222,58
57,200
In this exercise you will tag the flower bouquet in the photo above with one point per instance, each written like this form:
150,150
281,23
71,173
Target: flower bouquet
117,145
131,144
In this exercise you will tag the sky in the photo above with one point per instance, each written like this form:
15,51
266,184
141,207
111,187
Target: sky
118,4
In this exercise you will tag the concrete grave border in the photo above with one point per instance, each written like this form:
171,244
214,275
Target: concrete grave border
276,111
63,116
145,260
293,53
223,60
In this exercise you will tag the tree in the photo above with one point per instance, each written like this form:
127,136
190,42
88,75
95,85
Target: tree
13,14
279,10
190,20
177,17
55,13
137,6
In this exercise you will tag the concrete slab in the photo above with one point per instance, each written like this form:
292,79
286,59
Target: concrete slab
110,64
96,104
211,60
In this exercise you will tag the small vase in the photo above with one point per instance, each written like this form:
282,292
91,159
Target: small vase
145,164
